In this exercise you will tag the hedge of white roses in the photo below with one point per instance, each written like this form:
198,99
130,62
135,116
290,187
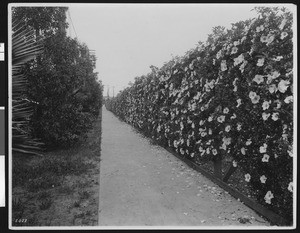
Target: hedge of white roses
231,96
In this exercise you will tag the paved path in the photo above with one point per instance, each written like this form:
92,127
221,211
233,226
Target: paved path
144,185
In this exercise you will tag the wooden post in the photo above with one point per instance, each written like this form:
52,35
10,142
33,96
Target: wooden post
229,172
218,166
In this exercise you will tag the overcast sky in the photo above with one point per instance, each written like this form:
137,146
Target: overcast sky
128,38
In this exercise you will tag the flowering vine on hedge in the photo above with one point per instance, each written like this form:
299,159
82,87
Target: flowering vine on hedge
231,96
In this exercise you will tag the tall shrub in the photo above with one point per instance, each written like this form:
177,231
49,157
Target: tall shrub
61,82
232,96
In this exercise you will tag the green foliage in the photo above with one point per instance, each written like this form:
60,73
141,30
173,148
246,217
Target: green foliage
46,21
231,96
47,172
62,83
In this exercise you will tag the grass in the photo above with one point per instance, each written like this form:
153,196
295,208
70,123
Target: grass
77,204
84,195
42,185
43,195
66,190
17,204
18,208
46,172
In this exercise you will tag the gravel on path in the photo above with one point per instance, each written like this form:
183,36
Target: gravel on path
142,185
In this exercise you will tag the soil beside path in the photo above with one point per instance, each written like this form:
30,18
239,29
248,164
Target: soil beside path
144,185
60,188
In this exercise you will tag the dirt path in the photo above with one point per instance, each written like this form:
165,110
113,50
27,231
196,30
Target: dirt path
144,185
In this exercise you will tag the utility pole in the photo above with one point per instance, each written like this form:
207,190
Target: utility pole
107,91
113,91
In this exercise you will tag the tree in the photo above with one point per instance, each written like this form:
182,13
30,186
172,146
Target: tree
46,21
64,84
61,81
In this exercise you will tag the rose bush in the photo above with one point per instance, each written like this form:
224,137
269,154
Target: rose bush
232,96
